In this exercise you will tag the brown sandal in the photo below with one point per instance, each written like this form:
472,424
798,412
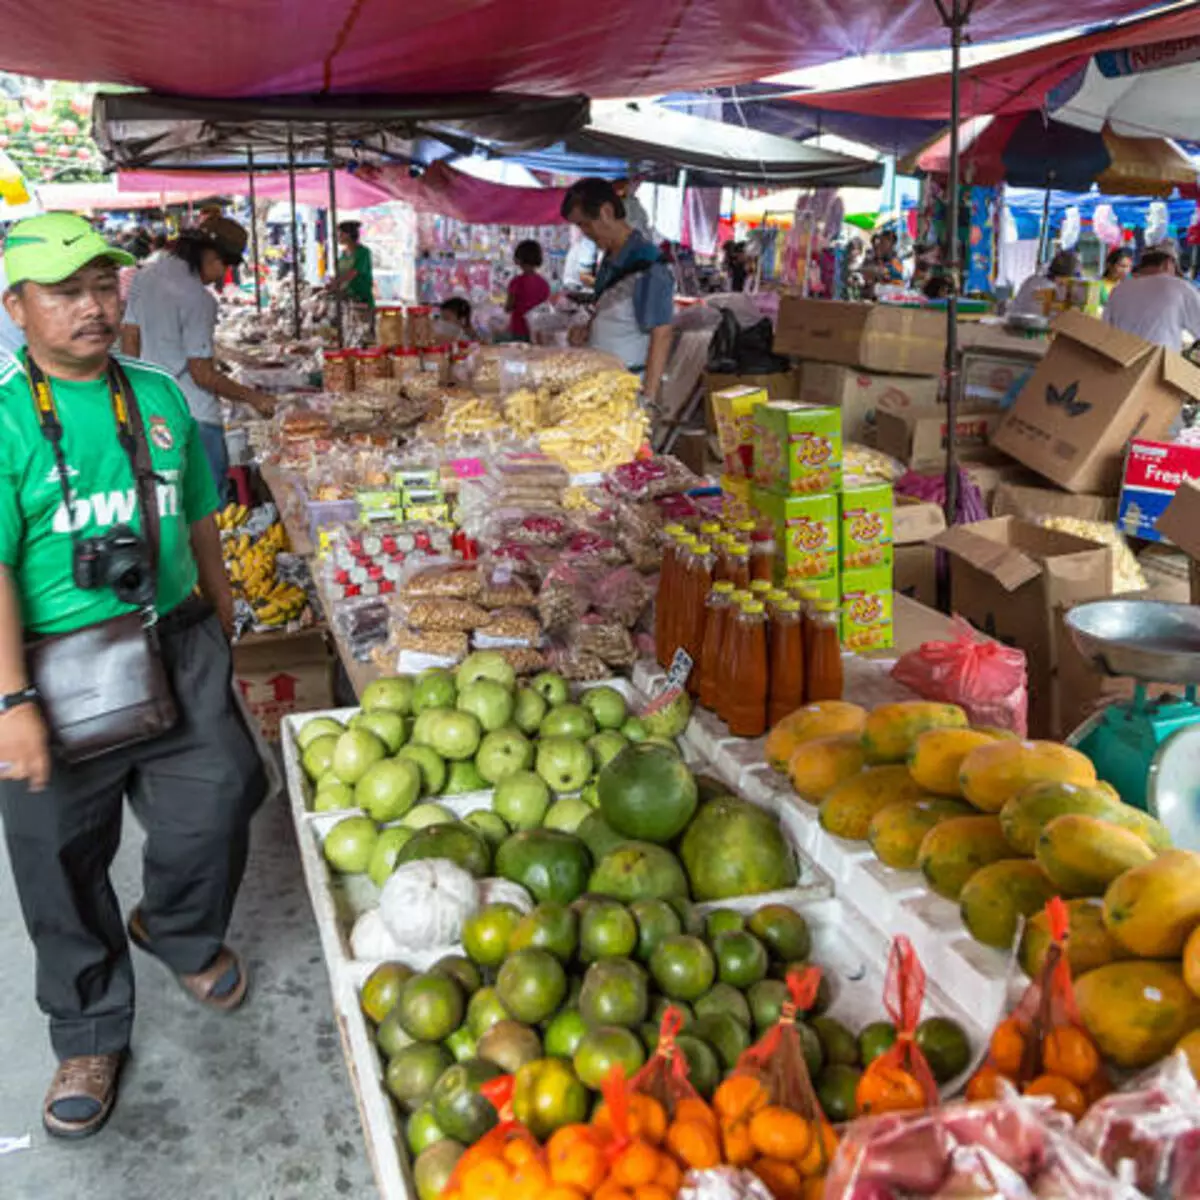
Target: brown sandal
200,985
84,1090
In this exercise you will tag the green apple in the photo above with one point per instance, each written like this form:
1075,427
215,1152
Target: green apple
464,777
317,727
383,858
433,770
333,797
349,844
355,751
522,800
389,788
490,702
393,693
568,720
434,689
607,705
551,686
486,664
388,726
529,710
502,753
634,730
567,814
564,763
605,746
425,815
455,735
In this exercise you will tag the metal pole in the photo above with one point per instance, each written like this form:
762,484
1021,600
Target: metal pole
254,229
291,151
333,242
955,16
1044,227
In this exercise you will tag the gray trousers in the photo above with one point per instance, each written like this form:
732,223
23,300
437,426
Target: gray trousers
194,791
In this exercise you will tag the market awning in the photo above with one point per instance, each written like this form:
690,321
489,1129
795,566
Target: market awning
1013,84
312,187
622,48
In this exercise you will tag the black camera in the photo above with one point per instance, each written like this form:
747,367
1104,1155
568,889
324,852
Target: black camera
117,559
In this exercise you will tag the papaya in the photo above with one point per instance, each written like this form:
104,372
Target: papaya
818,766
896,832
1152,832
1025,815
952,851
992,775
998,895
1089,945
824,718
1190,1045
1136,1010
892,729
937,756
847,810
1152,909
1191,961
1082,855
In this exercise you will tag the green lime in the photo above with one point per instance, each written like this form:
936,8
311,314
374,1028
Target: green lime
767,999
431,1006
704,1071
656,919
741,959
723,920
725,1034
946,1047
531,985
838,1043
484,1009
783,931
421,1129
550,926
874,1039
607,929
382,989
487,933
615,992
836,1090
683,967
462,969
461,1043
412,1073
603,1048
724,998
562,1036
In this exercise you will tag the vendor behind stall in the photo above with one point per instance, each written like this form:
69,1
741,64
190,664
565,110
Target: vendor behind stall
1117,266
1155,304
635,288
526,290
1026,303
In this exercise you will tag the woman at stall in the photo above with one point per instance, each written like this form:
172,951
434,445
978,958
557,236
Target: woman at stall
354,278
1117,266
1063,266
526,290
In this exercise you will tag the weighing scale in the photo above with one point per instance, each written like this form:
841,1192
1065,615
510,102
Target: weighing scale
1148,749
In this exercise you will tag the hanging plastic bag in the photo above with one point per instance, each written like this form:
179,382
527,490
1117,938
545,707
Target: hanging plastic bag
1043,1049
985,678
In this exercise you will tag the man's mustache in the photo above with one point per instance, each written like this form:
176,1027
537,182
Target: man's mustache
102,328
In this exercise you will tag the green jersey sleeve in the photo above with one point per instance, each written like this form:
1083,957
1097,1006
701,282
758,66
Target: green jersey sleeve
12,524
199,492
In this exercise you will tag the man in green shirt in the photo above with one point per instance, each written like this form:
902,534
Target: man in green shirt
195,788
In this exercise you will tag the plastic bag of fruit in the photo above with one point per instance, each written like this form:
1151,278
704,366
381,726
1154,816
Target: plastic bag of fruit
769,1115
900,1079
664,1077
1043,1048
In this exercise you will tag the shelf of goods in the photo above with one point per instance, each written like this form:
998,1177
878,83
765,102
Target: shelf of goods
851,911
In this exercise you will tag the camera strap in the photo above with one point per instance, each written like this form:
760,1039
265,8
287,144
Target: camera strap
131,434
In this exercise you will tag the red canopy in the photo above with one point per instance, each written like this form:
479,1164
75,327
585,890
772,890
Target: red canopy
1015,84
621,48
451,193
312,187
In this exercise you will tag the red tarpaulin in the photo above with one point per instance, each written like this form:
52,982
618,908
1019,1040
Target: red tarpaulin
312,187
622,48
1015,84
451,193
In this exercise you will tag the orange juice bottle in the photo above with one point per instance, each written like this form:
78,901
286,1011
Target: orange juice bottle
668,575
747,706
786,649
720,605
823,678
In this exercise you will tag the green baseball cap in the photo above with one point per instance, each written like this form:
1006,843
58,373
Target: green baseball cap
52,247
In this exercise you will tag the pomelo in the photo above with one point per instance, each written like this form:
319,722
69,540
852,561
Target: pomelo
550,865
732,848
458,842
638,871
647,793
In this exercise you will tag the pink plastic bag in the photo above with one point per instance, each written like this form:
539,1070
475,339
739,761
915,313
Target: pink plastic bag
985,678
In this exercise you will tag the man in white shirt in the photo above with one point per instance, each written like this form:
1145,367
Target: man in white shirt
1155,303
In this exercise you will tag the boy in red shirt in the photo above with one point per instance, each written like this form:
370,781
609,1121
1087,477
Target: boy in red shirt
527,290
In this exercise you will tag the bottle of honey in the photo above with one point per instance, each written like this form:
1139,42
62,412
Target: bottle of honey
697,582
746,708
720,606
668,576
786,652
739,565
823,679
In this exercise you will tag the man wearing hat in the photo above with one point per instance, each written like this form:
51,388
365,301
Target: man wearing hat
91,447
170,320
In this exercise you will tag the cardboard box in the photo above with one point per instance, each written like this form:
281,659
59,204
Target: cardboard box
915,523
1153,474
1096,388
782,385
281,673
1180,523
691,448
1029,503
805,529
733,412
916,520
865,534
797,448
1010,579
918,436
987,477
866,609
859,394
877,337
993,380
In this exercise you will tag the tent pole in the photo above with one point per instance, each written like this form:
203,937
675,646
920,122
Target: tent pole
333,242
291,152
254,230
955,15
1044,227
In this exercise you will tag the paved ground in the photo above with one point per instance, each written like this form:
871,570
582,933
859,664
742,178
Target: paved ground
253,1106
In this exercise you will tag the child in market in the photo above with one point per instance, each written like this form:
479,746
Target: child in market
454,320
527,290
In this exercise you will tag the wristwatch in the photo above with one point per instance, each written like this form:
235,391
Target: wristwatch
16,699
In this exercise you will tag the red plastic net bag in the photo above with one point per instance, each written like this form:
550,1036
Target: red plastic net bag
986,679
1043,1049
664,1078
900,1079
506,1160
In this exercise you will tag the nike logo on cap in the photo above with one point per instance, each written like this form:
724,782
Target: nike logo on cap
72,241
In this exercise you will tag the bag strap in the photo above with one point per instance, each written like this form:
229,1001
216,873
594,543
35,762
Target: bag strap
145,480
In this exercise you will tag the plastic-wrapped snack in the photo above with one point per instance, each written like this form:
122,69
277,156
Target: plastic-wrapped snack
442,614
523,659
645,479
1126,571
459,580
578,665
609,641
539,531
590,549
503,588
563,598
362,623
442,643
622,595
644,553
509,626
861,464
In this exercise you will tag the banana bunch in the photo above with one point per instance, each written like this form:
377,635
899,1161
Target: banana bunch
283,603
251,566
232,516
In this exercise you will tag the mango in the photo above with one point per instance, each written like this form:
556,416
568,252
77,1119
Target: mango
892,729
847,810
818,766
995,898
896,832
952,851
1083,855
992,775
1136,1010
1024,815
1152,909
1089,945
824,718
937,757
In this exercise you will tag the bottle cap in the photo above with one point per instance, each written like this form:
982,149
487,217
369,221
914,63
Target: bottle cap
674,530
710,528
753,607
746,526
701,547
740,550
775,595
789,606
760,587
724,587
742,595
826,606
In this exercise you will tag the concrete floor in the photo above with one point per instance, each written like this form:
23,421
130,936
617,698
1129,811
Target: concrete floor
251,1106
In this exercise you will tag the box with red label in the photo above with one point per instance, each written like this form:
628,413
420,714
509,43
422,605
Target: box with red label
281,673
1153,473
